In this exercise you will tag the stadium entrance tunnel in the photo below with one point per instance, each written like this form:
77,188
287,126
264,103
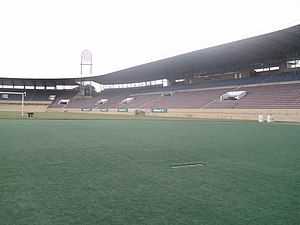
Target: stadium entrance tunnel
233,95
184,165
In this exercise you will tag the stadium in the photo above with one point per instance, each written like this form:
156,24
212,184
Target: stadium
261,74
206,137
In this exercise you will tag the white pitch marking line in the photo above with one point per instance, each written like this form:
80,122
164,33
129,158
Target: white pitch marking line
187,165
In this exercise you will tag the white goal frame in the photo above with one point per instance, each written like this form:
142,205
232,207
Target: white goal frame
17,93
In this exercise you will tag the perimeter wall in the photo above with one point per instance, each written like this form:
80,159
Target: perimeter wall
284,115
16,106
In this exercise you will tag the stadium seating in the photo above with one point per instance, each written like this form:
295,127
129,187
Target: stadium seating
188,99
261,94
64,94
283,77
285,96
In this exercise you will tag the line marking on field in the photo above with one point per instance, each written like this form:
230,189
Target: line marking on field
187,165
52,163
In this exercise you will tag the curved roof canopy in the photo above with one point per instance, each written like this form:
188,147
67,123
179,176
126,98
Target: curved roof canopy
268,49
37,82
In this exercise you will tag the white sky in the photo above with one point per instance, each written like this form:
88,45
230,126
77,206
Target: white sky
45,38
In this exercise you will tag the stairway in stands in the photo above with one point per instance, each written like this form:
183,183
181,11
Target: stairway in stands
214,101
146,103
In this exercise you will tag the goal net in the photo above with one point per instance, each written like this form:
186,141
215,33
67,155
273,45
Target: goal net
23,94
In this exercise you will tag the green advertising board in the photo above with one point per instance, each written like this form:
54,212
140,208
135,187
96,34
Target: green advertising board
86,109
122,110
159,110
103,110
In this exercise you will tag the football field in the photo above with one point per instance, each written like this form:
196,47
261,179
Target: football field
148,172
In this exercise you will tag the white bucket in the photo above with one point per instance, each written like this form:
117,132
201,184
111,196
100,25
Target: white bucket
260,118
270,119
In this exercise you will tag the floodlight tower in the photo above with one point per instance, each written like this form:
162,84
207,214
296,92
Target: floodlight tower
86,60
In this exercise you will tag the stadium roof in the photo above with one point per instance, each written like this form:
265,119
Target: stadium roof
37,82
268,49
250,52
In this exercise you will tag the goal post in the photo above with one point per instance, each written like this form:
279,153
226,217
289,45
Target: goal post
17,93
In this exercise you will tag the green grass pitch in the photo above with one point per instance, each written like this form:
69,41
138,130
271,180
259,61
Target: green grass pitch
120,172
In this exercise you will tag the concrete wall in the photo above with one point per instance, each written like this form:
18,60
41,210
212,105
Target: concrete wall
28,106
283,115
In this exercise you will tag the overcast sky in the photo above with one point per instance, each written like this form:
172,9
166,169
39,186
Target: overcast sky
45,38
